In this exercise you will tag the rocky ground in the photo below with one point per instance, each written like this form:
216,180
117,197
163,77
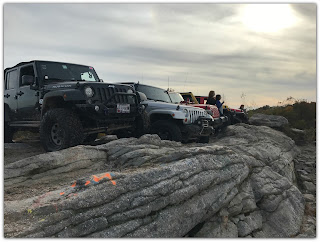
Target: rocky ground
250,208
305,166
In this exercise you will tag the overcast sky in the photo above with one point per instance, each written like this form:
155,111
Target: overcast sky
266,52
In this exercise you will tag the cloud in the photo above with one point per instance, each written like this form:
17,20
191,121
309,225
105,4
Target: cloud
200,46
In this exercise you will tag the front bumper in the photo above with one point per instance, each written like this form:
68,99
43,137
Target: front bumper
217,122
104,113
201,127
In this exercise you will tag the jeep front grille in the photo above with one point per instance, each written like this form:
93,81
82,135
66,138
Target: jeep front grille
195,114
105,93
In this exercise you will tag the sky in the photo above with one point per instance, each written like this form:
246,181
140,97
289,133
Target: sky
252,54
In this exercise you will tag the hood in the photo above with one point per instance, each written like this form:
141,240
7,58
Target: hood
205,106
163,105
80,84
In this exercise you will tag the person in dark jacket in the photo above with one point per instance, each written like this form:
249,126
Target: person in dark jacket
219,104
211,98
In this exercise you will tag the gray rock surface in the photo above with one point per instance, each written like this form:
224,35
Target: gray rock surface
241,185
273,121
305,164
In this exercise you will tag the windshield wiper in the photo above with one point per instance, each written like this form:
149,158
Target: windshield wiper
53,79
158,100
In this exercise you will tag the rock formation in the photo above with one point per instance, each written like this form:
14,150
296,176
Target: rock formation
305,164
273,121
240,185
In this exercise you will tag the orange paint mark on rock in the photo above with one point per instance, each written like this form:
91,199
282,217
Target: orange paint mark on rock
74,184
61,193
110,178
97,179
108,175
87,183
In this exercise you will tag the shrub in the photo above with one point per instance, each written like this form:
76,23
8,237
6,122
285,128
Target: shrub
300,114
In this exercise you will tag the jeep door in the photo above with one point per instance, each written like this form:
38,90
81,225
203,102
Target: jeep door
10,90
28,99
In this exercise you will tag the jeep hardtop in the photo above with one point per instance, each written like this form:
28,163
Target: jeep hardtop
67,103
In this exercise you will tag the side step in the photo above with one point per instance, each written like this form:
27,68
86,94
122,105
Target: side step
31,124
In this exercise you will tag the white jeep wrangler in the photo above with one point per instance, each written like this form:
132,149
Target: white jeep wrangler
173,121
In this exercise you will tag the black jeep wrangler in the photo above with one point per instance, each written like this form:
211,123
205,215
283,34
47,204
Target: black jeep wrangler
67,102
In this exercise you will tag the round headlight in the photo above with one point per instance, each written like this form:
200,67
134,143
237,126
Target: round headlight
185,112
89,92
129,91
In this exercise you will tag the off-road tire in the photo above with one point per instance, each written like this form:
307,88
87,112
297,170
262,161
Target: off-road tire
167,129
142,124
141,127
123,134
69,127
230,118
90,138
237,120
8,133
204,139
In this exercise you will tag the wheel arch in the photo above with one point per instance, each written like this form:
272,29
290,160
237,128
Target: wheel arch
159,116
54,102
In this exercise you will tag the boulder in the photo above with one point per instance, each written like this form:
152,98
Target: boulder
273,121
241,185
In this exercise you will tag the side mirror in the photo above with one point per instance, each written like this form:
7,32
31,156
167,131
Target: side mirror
27,80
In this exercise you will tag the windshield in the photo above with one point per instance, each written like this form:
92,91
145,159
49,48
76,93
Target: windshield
154,93
53,71
176,97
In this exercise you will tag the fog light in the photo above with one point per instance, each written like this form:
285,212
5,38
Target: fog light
96,108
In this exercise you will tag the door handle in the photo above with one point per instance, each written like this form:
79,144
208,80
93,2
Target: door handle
20,93
7,95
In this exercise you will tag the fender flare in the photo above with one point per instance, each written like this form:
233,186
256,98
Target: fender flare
62,96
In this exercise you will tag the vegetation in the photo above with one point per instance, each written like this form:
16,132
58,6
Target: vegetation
300,114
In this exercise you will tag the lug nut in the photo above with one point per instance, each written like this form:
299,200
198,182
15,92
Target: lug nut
96,108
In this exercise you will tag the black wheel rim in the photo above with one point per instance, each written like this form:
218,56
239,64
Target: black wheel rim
57,134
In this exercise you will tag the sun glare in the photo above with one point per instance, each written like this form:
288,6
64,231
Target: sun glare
268,17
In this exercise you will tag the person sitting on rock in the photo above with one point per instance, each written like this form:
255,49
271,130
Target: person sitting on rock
211,98
219,104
